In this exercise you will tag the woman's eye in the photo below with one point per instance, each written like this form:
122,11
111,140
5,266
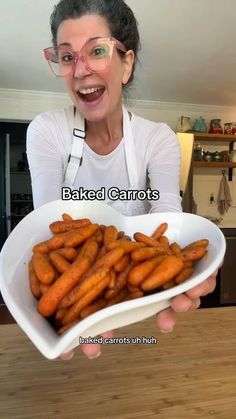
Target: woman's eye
99,52
66,58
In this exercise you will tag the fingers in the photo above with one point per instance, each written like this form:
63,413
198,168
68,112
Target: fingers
182,303
166,320
67,355
203,289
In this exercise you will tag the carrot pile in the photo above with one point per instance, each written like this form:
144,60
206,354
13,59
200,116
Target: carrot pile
85,267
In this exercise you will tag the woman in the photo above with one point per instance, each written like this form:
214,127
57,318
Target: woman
97,143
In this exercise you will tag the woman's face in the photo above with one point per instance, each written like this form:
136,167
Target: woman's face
107,99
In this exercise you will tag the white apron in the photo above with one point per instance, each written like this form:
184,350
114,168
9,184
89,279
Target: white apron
131,207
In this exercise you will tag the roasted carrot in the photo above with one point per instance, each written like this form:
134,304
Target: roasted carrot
85,286
86,299
139,272
34,281
183,275
148,241
160,230
59,262
166,270
110,235
193,253
50,301
93,308
43,268
145,253
58,227
75,237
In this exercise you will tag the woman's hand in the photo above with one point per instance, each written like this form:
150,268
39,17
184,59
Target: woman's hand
190,300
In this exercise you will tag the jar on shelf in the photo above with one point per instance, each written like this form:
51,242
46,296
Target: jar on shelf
198,152
216,156
208,156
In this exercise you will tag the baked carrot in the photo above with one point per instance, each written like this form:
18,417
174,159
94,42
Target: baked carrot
176,249
67,218
166,270
120,234
110,235
121,281
199,243
75,237
93,308
169,284
59,262
136,294
86,299
145,253
98,236
68,253
50,301
112,282
90,249
68,326
34,281
139,272
183,275
111,258
148,241
58,227
122,263
60,313
164,241
55,242
121,296
43,268
193,253
128,246
41,247
84,286
44,288
160,230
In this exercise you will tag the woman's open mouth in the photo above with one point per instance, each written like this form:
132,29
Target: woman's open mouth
92,94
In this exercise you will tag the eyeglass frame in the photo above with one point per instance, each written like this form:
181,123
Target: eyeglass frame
78,56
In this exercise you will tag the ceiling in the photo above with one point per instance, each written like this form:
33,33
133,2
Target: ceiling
188,49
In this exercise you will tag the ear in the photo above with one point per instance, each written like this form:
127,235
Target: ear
128,62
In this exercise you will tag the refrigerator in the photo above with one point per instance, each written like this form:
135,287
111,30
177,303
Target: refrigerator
15,183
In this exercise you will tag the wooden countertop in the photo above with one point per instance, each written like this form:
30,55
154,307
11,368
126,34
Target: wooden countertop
188,374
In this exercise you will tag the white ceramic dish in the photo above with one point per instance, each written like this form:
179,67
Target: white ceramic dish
16,252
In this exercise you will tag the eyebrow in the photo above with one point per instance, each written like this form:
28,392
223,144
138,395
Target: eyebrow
67,44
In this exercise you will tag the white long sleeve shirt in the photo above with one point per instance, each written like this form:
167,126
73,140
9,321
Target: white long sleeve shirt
49,141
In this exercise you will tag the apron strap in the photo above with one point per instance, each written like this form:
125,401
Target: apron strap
75,157
130,155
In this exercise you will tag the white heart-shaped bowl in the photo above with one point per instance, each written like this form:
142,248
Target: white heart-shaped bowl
183,228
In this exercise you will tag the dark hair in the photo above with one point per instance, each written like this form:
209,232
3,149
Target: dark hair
120,19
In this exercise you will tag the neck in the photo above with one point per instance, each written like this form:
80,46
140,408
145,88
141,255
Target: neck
104,136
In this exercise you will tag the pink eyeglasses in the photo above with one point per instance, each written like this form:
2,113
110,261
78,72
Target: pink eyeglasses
96,53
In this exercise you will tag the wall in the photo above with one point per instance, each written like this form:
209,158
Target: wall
17,105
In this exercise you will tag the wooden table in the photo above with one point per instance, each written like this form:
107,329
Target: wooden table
190,373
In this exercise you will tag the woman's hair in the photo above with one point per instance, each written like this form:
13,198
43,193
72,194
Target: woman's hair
120,19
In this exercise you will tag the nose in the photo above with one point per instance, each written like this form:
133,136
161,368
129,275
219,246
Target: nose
80,68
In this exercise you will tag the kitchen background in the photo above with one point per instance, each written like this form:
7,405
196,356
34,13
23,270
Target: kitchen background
187,67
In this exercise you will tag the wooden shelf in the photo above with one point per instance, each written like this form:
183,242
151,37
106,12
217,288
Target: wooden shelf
204,136
214,164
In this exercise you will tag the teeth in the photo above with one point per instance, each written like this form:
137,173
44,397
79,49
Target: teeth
88,91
